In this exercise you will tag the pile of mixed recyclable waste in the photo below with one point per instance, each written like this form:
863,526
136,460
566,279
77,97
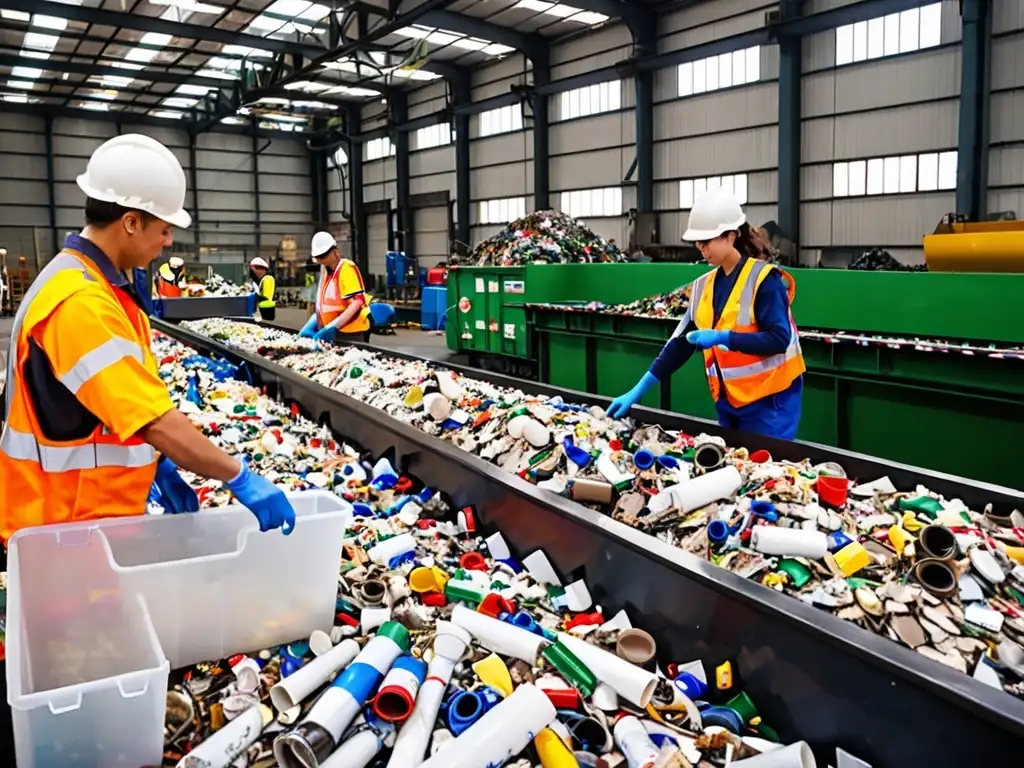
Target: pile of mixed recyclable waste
926,571
880,260
448,649
673,305
544,236
214,286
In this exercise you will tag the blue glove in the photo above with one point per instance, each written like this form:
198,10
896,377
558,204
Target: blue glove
309,329
264,499
622,404
327,334
709,339
171,491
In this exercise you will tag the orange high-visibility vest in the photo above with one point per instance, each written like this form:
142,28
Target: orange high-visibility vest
167,284
43,481
331,302
747,378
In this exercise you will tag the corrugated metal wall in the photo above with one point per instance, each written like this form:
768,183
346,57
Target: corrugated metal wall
1006,162
24,197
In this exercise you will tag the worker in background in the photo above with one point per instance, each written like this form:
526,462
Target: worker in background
342,305
264,284
311,276
170,278
739,316
87,414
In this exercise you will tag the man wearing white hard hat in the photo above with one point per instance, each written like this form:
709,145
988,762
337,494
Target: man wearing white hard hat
739,316
342,304
170,278
90,428
264,285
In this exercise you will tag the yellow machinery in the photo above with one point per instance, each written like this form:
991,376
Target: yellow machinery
986,246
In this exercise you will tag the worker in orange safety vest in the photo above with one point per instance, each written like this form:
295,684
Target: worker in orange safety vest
342,303
90,430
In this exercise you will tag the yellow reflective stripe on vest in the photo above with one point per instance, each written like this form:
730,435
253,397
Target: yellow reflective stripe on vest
24,446
105,355
746,311
761,366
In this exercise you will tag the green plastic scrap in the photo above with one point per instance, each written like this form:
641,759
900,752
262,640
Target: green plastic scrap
799,574
856,582
576,673
925,504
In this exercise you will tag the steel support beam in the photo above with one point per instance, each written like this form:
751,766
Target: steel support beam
463,163
541,143
476,107
529,44
98,70
141,23
790,73
256,190
975,105
645,41
399,104
318,174
51,187
360,244
193,181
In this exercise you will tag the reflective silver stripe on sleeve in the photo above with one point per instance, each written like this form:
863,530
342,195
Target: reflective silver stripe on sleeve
746,313
767,364
695,293
24,447
105,355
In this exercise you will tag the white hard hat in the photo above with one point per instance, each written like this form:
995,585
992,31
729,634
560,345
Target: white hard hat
322,243
714,212
176,261
3,251
259,262
138,172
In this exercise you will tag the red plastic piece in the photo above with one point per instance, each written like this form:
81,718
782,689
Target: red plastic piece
833,490
584,620
426,524
473,561
760,457
437,276
563,698
347,620
494,605
470,521
236,659
295,411
404,484
615,445
435,599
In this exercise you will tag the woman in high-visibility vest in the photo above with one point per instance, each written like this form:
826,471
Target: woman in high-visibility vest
265,285
342,304
739,316
90,430
170,278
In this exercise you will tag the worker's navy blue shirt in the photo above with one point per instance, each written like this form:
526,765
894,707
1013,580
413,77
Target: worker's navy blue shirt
93,252
771,310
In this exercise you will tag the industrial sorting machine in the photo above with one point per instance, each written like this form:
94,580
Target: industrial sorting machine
815,676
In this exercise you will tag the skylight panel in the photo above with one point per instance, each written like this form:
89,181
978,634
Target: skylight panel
49,22
178,102
167,114
26,73
96,106
193,90
14,15
563,12
35,41
24,84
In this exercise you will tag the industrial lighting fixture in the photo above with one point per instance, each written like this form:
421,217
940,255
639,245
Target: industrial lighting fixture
190,6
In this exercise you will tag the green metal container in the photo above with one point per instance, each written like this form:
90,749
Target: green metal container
487,311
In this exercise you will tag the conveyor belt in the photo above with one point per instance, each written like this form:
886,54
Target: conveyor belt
815,677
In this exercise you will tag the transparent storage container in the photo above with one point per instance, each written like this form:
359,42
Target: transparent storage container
99,612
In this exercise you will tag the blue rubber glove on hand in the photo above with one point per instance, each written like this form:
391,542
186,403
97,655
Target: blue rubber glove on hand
264,499
309,329
709,339
622,404
327,334
171,491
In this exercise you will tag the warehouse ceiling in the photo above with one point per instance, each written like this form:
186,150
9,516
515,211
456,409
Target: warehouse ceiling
282,63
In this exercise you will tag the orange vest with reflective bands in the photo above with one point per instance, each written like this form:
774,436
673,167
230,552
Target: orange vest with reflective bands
330,304
43,481
747,378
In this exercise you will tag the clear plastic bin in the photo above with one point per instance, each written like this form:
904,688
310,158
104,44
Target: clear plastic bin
99,612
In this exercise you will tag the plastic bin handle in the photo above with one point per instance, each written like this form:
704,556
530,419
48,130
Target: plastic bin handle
60,710
124,685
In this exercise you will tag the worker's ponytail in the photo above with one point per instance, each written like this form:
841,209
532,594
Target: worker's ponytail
750,242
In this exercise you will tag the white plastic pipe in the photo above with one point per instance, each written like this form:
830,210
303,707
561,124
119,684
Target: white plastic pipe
634,684
701,491
449,645
635,744
225,745
499,636
391,548
789,542
499,735
357,752
796,755
294,689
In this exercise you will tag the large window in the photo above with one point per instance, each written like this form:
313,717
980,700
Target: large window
378,148
591,100
910,30
691,189
501,211
501,120
434,136
895,175
593,203
723,71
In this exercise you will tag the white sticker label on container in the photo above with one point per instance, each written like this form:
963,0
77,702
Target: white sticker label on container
481,325
492,286
510,330
479,285
515,286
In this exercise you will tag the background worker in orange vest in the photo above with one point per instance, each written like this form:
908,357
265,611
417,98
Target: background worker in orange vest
86,412
342,305
739,316
170,278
